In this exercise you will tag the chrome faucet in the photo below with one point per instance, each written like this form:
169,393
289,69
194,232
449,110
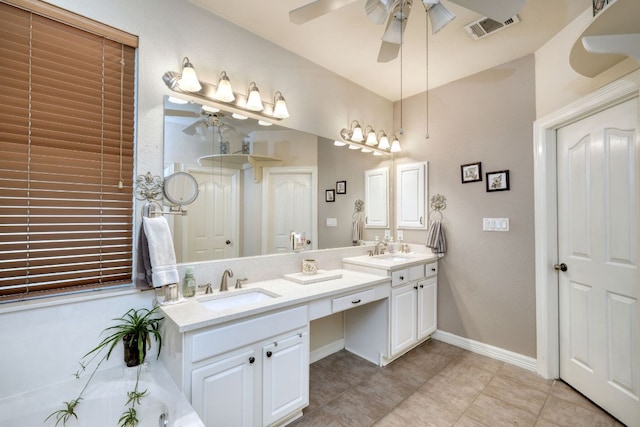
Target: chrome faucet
378,249
223,282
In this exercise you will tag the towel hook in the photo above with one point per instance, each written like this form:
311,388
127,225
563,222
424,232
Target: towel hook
438,204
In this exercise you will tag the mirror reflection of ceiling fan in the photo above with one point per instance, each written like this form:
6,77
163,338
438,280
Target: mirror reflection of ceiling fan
396,13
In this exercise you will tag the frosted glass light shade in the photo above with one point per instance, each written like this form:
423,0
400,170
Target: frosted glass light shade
395,146
439,17
280,107
354,147
188,80
339,143
384,143
254,102
372,140
357,135
224,92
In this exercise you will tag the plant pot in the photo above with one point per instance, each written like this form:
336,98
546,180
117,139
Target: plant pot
131,352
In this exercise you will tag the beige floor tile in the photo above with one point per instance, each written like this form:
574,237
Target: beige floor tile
466,421
324,387
422,410
469,374
484,362
450,391
526,378
355,409
515,394
385,389
494,412
408,373
565,413
563,391
319,418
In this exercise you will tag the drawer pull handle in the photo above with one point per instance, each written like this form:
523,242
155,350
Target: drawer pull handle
356,301
422,286
415,287
433,269
269,354
252,359
401,277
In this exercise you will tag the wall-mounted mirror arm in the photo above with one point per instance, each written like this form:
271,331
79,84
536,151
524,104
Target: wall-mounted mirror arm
179,189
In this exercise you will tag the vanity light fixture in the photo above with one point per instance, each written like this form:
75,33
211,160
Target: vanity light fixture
264,123
384,142
279,106
223,96
189,80
372,139
376,142
356,132
339,143
354,147
254,102
395,145
224,92
239,116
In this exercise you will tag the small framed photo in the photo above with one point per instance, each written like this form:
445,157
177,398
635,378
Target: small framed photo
341,187
498,181
471,172
330,195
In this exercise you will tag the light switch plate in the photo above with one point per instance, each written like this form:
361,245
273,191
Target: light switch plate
399,232
332,222
495,224
387,234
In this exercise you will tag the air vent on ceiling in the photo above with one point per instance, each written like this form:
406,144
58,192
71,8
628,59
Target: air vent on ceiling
485,26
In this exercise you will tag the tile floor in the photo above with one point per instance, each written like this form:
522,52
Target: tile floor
438,384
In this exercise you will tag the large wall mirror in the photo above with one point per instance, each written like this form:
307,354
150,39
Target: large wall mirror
258,186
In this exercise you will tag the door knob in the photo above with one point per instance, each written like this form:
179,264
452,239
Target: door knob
560,267
228,242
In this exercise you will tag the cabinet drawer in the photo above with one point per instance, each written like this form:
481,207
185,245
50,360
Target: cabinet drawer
221,339
431,269
416,272
353,300
399,277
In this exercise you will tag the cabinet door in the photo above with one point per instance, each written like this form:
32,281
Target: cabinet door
376,198
410,195
404,316
222,393
427,307
285,377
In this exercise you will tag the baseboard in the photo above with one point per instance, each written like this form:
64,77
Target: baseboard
525,362
326,350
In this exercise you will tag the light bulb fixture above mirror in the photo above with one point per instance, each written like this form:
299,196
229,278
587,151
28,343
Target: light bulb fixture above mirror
367,140
222,94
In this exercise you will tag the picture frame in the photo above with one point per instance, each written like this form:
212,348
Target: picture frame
471,172
497,181
341,187
330,195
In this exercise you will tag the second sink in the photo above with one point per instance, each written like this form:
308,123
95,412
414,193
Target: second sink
236,299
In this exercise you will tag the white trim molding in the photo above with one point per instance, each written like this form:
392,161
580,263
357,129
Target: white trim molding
546,210
326,350
522,361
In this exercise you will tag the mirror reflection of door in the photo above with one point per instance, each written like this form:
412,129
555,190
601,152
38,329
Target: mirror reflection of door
290,205
210,230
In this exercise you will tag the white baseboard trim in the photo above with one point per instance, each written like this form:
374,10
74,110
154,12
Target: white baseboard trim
525,362
326,350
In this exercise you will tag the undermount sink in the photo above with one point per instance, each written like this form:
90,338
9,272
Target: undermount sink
393,257
236,299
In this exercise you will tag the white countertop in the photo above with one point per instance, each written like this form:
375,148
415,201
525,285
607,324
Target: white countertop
390,262
190,315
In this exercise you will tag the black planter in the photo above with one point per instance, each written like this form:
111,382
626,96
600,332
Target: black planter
131,352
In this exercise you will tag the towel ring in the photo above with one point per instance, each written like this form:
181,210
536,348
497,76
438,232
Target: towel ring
436,212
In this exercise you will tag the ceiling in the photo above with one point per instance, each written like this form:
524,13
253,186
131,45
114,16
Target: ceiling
347,43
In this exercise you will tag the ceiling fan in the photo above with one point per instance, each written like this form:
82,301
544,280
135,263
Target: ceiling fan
396,14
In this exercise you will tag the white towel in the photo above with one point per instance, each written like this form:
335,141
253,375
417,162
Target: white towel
161,252
435,238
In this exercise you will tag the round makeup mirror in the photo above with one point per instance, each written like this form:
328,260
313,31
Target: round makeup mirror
180,188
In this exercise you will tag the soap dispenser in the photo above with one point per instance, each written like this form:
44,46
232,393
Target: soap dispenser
189,284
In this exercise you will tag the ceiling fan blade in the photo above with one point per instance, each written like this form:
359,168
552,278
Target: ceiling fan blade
388,52
378,10
191,129
315,9
498,10
180,113
397,22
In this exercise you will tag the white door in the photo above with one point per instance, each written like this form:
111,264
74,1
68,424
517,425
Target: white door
222,393
210,229
598,242
289,205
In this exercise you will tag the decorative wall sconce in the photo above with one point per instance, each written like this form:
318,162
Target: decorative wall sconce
222,94
367,141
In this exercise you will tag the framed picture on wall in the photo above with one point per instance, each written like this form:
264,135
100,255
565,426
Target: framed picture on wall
498,181
471,172
341,187
330,195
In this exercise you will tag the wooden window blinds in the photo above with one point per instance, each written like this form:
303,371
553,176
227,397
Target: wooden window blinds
66,141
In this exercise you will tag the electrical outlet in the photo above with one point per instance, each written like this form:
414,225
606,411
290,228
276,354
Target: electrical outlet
495,224
399,232
332,222
387,234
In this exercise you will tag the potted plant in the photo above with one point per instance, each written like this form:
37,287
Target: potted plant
135,329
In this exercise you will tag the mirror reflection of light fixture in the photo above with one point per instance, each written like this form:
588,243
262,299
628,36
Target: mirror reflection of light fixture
264,123
254,102
189,80
354,147
376,142
239,116
224,92
279,106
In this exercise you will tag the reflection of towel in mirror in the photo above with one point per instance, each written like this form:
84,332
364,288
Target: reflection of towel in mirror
435,238
161,253
356,231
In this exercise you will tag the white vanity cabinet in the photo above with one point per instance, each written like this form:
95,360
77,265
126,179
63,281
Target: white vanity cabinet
248,373
376,198
413,307
410,195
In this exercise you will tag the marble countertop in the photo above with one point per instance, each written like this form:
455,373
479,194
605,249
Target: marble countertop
189,314
390,262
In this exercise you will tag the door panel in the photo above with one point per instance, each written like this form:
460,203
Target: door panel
598,240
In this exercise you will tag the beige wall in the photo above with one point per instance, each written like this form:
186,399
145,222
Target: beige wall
486,280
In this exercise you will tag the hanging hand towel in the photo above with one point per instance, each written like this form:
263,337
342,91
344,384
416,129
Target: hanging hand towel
435,238
356,231
143,274
161,252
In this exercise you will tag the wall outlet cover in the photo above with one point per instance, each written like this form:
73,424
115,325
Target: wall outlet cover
332,222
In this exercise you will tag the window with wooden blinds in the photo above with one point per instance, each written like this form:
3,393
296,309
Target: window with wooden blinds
66,142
